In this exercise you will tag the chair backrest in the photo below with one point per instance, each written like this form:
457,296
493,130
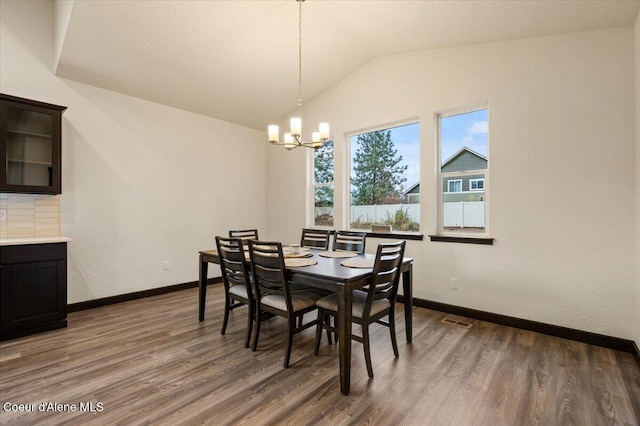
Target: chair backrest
349,240
269,270
386,273
233,264
315,238
244,234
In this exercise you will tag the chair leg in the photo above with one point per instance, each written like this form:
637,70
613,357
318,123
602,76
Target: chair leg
318,332
225,319
291,325
367,349
257,329
327,322
249,325
392,331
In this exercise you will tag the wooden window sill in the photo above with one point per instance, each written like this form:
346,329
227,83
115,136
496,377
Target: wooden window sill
396,235
464,240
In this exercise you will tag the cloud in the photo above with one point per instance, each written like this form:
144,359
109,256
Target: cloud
478,128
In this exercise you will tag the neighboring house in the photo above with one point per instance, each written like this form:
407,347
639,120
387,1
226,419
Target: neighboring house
412,195
467,187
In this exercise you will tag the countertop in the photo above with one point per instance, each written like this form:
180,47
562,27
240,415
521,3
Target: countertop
35,240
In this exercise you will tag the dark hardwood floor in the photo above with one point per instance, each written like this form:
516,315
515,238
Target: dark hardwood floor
151,362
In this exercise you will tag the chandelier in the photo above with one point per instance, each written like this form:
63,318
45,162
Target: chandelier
294,139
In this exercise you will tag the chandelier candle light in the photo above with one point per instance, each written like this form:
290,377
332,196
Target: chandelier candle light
294,139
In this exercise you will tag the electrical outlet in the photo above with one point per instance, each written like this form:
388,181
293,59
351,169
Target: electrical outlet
3,215
454,283
165,265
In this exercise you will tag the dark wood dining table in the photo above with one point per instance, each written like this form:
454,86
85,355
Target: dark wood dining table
329,274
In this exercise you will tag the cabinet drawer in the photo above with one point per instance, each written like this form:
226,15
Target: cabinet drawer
32,253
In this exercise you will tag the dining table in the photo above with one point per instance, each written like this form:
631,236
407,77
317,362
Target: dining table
330,274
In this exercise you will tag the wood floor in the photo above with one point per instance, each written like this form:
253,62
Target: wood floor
151,362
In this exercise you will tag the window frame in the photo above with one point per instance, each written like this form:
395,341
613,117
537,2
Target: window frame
441,234
471,181
346,181
449,182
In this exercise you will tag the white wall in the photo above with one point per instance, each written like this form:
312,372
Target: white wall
562,136
142,183
637,257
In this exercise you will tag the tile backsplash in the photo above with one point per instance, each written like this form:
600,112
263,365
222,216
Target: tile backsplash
30,215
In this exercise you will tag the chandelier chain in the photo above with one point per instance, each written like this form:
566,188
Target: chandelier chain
300,55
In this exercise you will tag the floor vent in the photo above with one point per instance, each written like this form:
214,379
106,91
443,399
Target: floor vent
462,324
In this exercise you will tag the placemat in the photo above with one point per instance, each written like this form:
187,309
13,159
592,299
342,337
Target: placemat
338,254
288,255
296,262
358,263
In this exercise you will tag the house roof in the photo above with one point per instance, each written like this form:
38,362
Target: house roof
237,60
459,153
413,189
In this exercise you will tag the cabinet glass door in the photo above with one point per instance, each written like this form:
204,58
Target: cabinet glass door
29,148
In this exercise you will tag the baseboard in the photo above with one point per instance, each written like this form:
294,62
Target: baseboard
637,353
96,303
615,343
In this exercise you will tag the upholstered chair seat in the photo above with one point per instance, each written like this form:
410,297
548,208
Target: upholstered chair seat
330,303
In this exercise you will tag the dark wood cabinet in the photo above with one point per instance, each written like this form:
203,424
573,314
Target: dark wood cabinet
33,288
30,146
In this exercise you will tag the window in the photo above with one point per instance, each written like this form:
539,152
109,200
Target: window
476,184
323,185
385,178
454,185
463,171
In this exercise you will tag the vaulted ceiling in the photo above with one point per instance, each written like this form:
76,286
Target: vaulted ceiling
237,60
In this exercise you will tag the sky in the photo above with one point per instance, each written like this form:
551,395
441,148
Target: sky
406,139
469,129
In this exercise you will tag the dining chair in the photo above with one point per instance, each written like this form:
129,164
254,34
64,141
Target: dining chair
349,240
245,235
315,238
237,284
372,304
274,294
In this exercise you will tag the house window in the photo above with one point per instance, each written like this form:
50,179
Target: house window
463,171
323,185
476,184
454,185
385,178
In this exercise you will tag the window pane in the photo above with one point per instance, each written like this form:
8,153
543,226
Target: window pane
464,161
323,158
323,185
385,178
454,185
460,135
323,206
476,184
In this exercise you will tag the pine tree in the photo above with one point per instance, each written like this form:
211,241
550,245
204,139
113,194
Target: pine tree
377,173
324,174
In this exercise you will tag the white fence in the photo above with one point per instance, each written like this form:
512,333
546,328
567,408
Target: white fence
379,213
456,214
464,214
